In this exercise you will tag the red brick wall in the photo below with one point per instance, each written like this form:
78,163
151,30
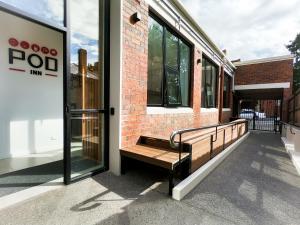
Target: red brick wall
226,116
269,72
135,120
260,73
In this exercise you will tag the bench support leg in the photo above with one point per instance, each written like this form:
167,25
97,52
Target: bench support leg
123,165
171,181
185,169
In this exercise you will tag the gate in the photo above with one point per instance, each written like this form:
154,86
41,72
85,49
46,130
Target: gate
262,115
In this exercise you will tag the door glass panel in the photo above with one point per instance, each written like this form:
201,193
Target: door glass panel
52,10
86,85
86,143
86,54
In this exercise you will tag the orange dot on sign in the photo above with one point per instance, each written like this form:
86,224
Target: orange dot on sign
13,42
53,52
45,50
24,44
35,47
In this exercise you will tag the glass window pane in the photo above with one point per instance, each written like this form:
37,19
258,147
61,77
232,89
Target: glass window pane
203,82
86,140
86,55
171,50
87,89
209,84
155,62
52,10
173,88
226,92
214,87
184,73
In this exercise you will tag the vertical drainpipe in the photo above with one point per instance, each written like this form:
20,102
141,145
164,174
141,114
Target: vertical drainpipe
221,86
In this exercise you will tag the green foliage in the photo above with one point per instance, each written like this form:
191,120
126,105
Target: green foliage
294,48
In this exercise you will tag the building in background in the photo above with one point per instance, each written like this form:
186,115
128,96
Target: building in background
265,79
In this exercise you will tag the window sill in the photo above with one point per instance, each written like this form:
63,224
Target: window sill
226,109
209,110
163,110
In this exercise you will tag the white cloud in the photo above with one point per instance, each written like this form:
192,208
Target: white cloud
248,29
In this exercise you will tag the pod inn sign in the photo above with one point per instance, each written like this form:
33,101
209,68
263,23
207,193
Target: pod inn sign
38,58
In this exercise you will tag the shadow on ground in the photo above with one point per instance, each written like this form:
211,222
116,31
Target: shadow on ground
256,184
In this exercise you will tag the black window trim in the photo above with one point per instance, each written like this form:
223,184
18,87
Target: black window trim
167,27
229,80
204,56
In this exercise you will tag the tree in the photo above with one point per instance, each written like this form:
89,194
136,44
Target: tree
294,48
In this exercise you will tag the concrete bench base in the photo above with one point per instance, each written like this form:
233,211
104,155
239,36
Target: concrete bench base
188,184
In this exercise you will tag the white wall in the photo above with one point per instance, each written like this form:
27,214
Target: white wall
31,115
115,84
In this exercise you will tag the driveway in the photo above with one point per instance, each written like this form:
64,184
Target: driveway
256,184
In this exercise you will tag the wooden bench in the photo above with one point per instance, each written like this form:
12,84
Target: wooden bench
197,149
161,157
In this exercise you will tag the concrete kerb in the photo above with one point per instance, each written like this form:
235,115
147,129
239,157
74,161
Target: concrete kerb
188,184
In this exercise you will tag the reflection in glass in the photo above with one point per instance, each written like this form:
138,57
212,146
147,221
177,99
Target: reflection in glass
171,50
209,90
86,85
86,154
226,91
52,10
168,67
184,73
155,62
173,88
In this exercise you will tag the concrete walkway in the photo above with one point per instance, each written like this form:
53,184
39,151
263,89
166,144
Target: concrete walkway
256,184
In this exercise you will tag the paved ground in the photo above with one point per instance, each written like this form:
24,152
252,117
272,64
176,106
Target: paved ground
256,184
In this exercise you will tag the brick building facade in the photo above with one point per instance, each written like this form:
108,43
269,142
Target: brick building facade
266,78
103,78
138,119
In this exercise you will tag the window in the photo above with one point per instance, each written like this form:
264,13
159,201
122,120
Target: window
226,91
209,87
168,67
52,10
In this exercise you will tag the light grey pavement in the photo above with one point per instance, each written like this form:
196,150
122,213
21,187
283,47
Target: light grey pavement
256,184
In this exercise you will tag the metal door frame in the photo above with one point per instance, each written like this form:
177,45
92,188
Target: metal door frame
65,30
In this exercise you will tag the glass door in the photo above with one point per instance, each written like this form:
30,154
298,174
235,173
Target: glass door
86,116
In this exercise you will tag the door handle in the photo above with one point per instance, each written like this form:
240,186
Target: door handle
112,111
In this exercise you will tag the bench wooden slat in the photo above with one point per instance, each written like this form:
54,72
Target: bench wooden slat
160,157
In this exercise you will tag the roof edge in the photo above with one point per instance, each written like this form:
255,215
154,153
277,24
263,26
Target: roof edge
264,60
194,23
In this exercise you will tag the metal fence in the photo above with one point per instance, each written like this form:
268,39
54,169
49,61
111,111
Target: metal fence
262,114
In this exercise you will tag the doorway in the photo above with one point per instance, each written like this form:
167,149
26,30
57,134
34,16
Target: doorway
31,97
54,87
87,91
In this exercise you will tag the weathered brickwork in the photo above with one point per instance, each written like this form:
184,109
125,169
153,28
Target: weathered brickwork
268,72
226,116
261,73
135,120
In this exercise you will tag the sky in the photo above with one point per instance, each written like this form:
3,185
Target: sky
84,22
248,29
